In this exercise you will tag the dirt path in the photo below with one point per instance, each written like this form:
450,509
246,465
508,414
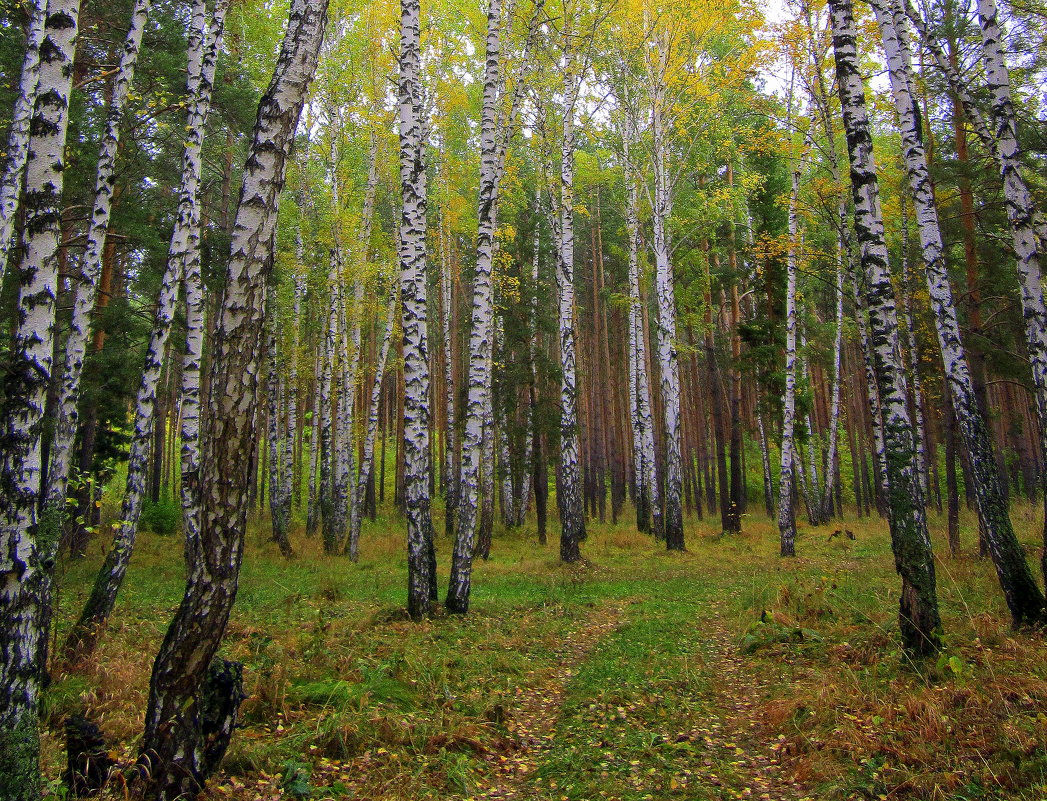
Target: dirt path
736,754
532,723
736,730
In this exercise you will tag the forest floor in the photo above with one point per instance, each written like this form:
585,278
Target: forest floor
723,672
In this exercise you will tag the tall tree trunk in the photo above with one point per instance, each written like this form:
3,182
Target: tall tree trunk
668,359
22,412
328,430
569,487
1022,218
648,502
786,511
919,620
203,58
177,752
17,152
61,456
480,342
421,555
278,452
1024,598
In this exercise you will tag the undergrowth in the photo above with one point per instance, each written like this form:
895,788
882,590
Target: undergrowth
348,699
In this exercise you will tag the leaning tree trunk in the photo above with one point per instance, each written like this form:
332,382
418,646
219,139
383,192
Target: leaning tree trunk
1022,218
786,511
367,460
480,344
22,413
918,619
18,132
203,58
61,456
421,555
1024,599
668,361
177,753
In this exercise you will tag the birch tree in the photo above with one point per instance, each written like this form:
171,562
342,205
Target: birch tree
918,618
1024,598
172,747
203,58
421,554
22,412
17,151
786,511
61,451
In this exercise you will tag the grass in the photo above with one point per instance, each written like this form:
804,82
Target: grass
732,673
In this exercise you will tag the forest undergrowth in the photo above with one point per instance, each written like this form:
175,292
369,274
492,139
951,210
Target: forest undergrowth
719,673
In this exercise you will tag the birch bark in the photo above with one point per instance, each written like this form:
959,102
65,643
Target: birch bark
421,555
367,460
480,344
22,412
918,618
668,360
173,747
18,133
203,57
1024,598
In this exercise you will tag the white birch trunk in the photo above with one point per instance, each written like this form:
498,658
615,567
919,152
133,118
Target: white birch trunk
84,296
421,555
918,613
569,484
22,413
203,57
1024,599
328,432
1022,216
367,460
786,511
18,134
173,745
668,360
480,345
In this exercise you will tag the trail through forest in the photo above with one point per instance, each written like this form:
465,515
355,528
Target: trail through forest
734,757
533,723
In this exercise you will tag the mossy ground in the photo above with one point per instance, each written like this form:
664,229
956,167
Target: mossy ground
727,672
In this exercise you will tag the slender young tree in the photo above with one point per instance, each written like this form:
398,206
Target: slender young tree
173,753
918,611
367,459
22,413
786,511
203,58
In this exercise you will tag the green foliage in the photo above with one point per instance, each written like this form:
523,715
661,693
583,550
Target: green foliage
161,517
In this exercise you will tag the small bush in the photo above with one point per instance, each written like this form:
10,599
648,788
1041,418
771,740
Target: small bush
162,517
